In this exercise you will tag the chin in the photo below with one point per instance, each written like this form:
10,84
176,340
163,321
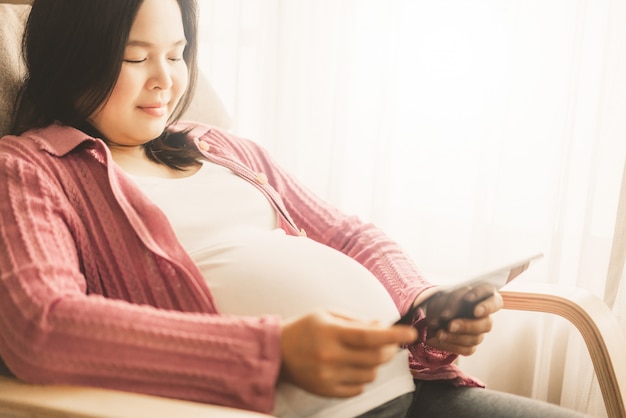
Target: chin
154,130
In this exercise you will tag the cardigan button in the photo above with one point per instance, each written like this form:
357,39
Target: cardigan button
204,146
261,178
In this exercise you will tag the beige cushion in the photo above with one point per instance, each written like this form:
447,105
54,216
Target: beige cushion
11,69
205,107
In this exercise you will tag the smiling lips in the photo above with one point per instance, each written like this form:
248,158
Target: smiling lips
154,109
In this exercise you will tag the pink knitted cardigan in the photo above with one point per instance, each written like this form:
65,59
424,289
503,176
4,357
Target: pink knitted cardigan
96,290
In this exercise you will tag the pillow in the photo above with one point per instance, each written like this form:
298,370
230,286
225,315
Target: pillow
205,107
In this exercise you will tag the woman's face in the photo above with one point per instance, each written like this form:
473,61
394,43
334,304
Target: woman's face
152,80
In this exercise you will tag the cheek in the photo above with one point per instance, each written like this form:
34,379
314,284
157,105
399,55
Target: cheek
124,91
182,80
120,97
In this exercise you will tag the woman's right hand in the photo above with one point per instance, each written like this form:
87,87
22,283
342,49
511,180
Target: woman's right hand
334,356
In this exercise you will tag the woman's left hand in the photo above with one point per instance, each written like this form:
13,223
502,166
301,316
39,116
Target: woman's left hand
462,336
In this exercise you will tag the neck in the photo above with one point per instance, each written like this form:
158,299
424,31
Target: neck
135,152
133,160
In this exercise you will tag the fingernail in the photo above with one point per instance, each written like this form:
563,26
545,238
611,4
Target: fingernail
479,310
454,327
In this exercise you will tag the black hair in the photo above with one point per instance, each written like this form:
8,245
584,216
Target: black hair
73,51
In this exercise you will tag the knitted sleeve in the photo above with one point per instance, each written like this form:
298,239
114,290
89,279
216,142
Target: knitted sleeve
54,331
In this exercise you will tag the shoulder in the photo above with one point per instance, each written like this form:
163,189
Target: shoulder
56,140
50,156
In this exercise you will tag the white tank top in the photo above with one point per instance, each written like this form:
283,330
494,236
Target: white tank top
252,268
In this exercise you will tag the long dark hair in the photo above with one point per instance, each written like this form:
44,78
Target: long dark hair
73,50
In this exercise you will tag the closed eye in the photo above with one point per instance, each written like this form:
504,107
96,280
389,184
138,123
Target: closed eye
135,61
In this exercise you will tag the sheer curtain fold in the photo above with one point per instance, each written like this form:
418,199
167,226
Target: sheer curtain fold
617,264
472,132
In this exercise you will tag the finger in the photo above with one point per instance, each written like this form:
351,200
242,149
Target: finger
360,337
361,333
462,340
439,309
344,381
479,292
462,350
459,344
368,358
489,306
358,376
471,326
352,331
451,302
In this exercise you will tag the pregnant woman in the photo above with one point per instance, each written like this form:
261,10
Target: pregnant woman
145,254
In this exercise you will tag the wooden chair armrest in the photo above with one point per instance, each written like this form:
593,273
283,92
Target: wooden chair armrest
598,326
21,400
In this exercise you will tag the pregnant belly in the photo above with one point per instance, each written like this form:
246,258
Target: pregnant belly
258,273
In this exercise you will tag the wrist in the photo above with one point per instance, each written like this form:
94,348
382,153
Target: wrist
424,295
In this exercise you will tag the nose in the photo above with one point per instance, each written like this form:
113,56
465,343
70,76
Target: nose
161,76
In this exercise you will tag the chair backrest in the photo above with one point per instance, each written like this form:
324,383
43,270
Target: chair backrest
206,106
11,70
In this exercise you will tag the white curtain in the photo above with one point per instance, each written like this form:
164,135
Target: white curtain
472,132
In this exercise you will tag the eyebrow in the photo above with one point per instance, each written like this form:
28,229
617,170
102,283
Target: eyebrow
146,44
